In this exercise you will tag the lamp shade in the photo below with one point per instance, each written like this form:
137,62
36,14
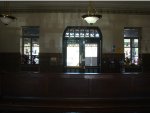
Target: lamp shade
91,19
6,19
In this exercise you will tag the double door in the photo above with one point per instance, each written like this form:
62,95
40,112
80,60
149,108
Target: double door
82,56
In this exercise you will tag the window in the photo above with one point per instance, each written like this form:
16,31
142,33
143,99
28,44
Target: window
30,45
82,49
131,44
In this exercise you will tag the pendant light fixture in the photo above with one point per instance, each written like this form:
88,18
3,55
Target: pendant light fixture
91,17
6,18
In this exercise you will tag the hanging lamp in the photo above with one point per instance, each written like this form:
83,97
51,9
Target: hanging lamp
91,17
6,18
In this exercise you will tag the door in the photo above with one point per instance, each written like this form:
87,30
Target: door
81,54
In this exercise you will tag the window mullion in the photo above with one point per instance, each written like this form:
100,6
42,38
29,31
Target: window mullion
31,49
131,49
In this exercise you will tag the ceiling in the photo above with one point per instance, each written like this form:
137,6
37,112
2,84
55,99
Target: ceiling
140,7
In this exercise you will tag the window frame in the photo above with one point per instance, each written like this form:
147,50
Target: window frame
132,38
29,59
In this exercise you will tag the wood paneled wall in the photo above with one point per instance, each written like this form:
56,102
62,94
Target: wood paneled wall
52,62
146,62
10,62
52,85
112,62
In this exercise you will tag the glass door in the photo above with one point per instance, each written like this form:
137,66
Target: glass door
91,54
91,58
82,50
82,58
73,55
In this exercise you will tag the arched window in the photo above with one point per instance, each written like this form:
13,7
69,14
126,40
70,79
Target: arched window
82,48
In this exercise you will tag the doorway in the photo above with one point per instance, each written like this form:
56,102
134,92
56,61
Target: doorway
82,50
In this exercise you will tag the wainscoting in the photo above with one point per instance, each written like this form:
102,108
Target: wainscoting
47,92
56,85
53,63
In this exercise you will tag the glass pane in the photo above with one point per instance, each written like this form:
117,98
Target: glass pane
135,52
26,59
27,41
27,50
35,42
71,32
35,50
126,42
90,54
35,59
92,33
82,33
73,55
96,33
135,43
67,33
127,52
135,60
77,33
87,33
131,33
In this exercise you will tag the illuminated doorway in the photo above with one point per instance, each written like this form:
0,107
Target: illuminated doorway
82,49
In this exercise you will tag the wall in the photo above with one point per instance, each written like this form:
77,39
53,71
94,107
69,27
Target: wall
52,26
50,85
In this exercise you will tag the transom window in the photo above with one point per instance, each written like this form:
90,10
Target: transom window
131,44
81,48
30,45
82,33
